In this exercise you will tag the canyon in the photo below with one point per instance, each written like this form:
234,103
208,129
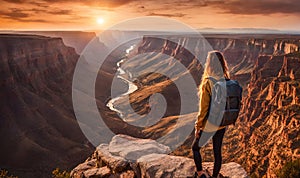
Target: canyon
40,131
266,135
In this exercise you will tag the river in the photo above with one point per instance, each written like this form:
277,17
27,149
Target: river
131,86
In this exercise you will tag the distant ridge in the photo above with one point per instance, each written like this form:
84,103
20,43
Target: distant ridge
202,30
75,39
247,31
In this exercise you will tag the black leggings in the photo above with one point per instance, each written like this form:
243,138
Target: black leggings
217,146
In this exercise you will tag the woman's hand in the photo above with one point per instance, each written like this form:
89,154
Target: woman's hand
197,133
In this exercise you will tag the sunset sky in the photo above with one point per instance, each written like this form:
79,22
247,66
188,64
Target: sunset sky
101,14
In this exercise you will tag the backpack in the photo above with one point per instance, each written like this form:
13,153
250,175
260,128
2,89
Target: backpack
225,102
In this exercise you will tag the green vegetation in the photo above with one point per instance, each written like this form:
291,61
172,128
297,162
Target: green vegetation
254,175
57,173
290,170
5,174
294,54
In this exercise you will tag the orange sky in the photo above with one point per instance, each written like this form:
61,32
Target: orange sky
83,14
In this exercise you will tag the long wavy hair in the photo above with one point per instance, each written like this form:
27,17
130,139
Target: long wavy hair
215,66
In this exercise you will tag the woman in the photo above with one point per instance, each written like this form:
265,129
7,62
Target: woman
215,67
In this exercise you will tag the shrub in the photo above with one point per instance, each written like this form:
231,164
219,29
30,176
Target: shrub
4,174
57,173
290,170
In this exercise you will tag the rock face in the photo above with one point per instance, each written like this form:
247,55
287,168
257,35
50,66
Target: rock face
150,160
37,127
270,120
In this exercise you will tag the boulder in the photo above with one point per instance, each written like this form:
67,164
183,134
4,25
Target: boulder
97,172
114,162
132,148
233,170
162,165
77,172
127,174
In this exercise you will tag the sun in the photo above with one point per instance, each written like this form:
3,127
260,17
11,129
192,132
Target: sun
100,20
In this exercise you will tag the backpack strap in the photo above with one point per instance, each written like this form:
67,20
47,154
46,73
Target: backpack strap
212,79
215,80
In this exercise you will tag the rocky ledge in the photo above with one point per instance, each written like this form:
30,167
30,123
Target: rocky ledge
130,157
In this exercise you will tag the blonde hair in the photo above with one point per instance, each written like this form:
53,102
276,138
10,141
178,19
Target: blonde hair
215,66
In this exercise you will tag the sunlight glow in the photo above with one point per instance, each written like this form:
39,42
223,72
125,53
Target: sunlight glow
100,20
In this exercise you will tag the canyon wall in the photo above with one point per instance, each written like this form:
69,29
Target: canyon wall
269,123
267,130
38,129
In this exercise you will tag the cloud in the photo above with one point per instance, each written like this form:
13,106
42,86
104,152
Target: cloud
14,14
104,3
243,7
166,14
19,15
15,1
60,12
259,7
25,15
35,20
196,3
100,3
49,11
226,6
40,4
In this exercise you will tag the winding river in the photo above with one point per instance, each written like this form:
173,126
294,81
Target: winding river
131,86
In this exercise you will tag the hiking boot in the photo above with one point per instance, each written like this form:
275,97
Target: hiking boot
203,175
195,175
219,176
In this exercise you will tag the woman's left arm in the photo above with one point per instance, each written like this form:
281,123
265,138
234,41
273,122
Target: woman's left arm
204,103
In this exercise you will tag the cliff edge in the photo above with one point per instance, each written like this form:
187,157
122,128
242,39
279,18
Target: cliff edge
128,157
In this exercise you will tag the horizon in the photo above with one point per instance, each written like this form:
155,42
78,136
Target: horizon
201,30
